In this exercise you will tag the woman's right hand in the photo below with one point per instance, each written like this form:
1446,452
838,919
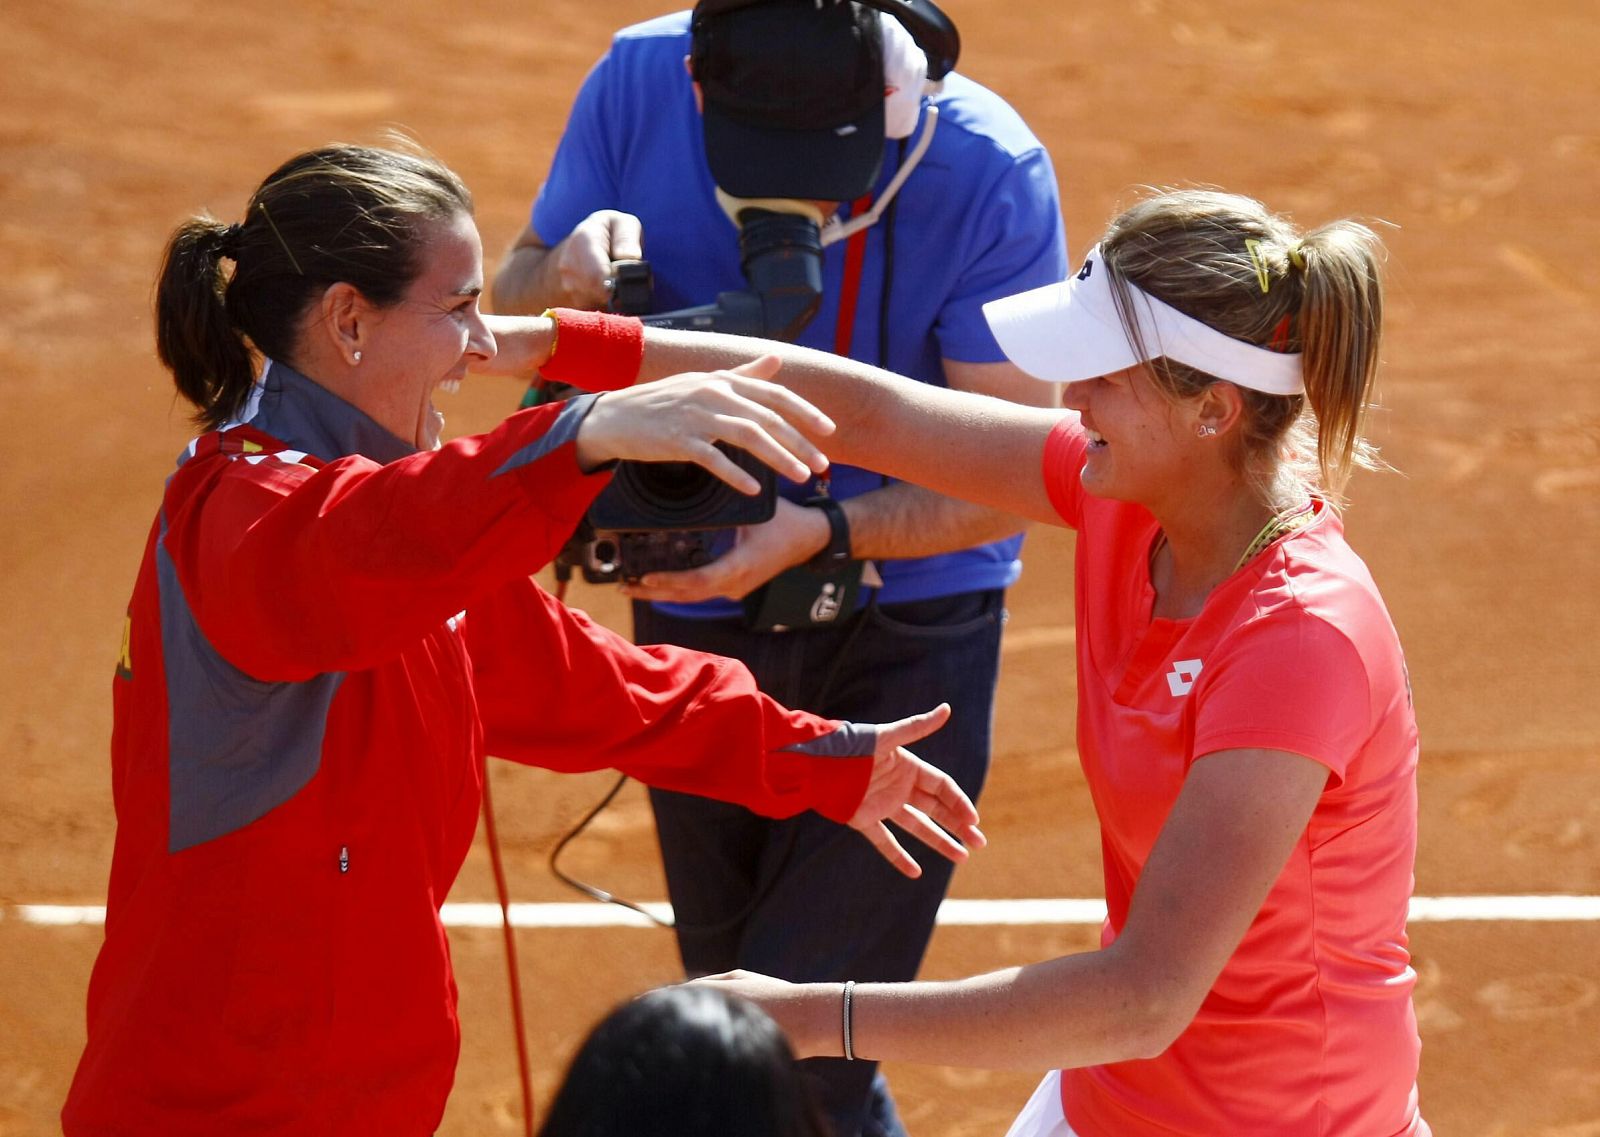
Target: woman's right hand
583,259
681,418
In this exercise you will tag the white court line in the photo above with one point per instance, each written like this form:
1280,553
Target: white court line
969,913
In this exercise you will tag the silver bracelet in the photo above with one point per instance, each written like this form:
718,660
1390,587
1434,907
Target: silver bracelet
849,995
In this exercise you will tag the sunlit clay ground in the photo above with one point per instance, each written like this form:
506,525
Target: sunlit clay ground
1470,130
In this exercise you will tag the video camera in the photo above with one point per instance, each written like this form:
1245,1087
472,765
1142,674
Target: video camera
664,516
781,255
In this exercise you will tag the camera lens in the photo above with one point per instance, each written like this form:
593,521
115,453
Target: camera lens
675,485
682,495
674,489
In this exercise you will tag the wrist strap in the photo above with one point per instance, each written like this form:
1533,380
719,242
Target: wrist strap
598,351
836,553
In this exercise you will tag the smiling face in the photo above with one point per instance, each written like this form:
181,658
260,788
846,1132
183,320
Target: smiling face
1141,445
429,338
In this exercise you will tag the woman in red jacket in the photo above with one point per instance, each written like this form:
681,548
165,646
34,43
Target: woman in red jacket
334,623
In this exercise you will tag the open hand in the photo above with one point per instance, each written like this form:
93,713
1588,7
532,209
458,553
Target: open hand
681,418
914,795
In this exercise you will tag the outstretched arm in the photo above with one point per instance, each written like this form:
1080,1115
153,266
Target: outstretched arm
910,520
1226,841
555,689
897,520
963,444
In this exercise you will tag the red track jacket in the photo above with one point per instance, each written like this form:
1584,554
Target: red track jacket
327,635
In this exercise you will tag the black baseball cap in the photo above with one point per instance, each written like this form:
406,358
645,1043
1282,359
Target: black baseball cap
792,96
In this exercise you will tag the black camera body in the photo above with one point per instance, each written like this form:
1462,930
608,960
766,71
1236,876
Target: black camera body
665,516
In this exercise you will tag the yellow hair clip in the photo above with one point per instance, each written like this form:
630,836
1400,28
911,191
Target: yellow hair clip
1259,262
1296,256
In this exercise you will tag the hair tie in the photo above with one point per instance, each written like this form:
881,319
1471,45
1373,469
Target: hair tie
1297,255
229,241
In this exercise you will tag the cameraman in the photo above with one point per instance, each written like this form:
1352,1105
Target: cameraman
824,103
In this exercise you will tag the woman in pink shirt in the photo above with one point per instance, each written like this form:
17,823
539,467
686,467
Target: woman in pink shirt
1244,718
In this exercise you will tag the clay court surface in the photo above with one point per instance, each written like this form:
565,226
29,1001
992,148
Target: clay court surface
1473,127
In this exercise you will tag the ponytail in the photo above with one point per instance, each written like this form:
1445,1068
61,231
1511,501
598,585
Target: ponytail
1340,318
210,361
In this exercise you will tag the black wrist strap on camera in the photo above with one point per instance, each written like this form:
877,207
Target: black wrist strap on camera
836,553
817,593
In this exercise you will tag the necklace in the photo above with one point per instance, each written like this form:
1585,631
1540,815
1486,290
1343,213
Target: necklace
1278,525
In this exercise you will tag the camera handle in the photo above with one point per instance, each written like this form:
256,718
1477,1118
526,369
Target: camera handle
780,253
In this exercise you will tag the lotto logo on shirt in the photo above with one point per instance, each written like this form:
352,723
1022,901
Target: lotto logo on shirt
1182,676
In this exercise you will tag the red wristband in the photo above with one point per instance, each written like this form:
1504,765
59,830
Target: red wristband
595,351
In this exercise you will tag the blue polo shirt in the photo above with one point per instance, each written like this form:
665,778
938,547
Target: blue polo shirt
978,219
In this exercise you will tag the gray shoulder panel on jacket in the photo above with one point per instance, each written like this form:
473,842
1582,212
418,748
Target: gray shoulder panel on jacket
236,746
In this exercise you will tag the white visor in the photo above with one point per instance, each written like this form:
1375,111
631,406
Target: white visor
1070,331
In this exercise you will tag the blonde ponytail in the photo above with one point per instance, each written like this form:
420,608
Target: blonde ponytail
1341,318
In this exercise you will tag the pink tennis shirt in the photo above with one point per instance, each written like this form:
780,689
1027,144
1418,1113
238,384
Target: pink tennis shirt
1309,1030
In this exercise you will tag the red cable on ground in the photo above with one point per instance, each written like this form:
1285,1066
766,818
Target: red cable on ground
511,956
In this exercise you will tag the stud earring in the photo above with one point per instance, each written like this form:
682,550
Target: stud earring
356,358
1205,430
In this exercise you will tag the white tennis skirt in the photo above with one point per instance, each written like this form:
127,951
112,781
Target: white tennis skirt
1042,1116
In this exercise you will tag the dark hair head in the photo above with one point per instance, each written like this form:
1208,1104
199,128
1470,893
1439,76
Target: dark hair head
1233,265
684,1062
342,213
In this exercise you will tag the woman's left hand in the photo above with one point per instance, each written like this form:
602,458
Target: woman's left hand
914,795
683,417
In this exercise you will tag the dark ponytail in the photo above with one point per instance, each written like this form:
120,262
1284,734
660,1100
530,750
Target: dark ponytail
209,359
352,214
